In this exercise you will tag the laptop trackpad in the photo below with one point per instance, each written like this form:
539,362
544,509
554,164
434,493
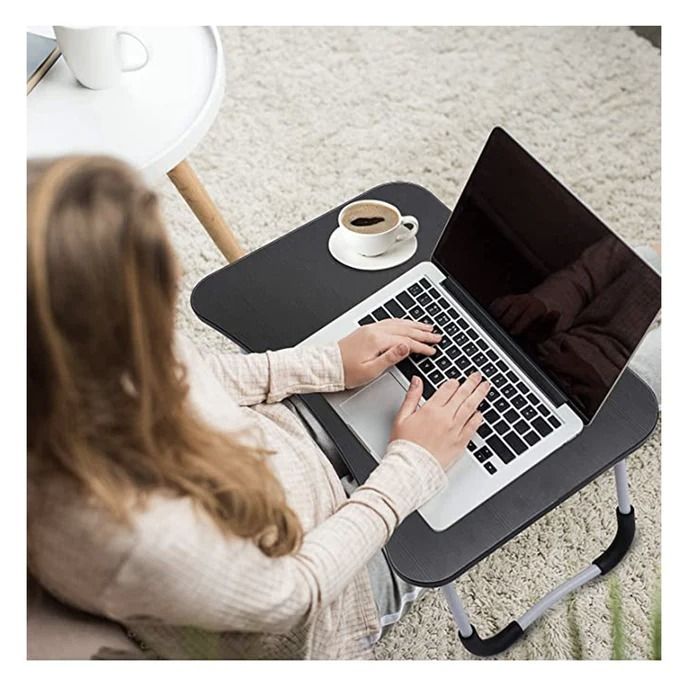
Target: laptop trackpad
370,412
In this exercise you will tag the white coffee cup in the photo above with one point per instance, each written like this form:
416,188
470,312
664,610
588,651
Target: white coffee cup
94,54
365,239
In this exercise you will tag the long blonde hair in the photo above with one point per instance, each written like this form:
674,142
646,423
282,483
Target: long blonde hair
107,399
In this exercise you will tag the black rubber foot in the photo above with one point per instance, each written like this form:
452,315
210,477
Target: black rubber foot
625,532
486,647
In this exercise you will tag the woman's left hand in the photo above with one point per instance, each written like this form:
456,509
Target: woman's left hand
371,349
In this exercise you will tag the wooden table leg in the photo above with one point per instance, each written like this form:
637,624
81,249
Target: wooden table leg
194,193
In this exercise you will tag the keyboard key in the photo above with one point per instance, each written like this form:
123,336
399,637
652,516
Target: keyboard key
541,425
417,312
367,320
442,319
511,415
491,416
522,388
424,299
492,355
521,427
434,293
501,427
453,314
415,289
380,313
443,302
554,421
484,430
499,448
394,308
489,369
508,391
532,438
482,344
501,404
502,366
470,349
471,446
463,362
443,363
426,319
518,402
451,329
461,338
472,333
409,370
489,468
483,406
492,394
515,442
424,282
532,398
433,309
463,324
528,412
479,359
435,376
426,365
498,380
453,351
406,300
483,454
512,376
444,342
542,410
453,373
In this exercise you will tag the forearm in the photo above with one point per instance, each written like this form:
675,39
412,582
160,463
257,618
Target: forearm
274,375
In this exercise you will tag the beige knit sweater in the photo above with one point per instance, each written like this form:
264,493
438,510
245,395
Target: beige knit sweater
186,589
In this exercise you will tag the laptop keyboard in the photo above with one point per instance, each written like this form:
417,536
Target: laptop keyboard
515,419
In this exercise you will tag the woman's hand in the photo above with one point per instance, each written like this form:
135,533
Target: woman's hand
446,422
371,349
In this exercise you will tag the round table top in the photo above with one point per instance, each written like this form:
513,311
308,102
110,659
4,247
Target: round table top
153,119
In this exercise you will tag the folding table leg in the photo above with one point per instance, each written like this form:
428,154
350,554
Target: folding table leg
625,531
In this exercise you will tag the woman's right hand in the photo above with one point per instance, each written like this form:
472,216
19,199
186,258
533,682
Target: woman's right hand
446,422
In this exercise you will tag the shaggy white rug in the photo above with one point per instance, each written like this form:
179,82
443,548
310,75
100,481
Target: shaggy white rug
312,116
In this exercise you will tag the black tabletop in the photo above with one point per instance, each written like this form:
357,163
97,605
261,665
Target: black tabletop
280,294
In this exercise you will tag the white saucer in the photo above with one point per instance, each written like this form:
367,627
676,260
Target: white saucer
398,254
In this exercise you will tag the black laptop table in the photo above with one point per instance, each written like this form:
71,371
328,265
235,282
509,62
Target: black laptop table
282,293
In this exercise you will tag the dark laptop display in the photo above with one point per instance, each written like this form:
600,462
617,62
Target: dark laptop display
554,277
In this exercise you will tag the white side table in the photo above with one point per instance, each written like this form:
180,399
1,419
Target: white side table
153,119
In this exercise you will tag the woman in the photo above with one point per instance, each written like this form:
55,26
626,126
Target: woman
172,491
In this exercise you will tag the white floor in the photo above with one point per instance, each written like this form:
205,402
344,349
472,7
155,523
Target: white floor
314,116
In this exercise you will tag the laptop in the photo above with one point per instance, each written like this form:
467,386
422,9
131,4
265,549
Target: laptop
530,288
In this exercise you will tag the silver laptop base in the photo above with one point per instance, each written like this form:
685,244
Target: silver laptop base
504,639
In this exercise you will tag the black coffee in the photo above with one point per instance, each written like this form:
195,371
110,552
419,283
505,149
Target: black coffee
366,221
370,218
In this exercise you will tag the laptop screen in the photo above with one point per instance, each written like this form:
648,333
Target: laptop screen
571,294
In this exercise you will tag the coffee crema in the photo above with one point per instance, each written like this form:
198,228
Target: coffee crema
370,218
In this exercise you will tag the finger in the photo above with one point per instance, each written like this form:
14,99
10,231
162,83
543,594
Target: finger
409,328
388,358
470,405
411,400
387,341
469,429
465,390
420,348
444,392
